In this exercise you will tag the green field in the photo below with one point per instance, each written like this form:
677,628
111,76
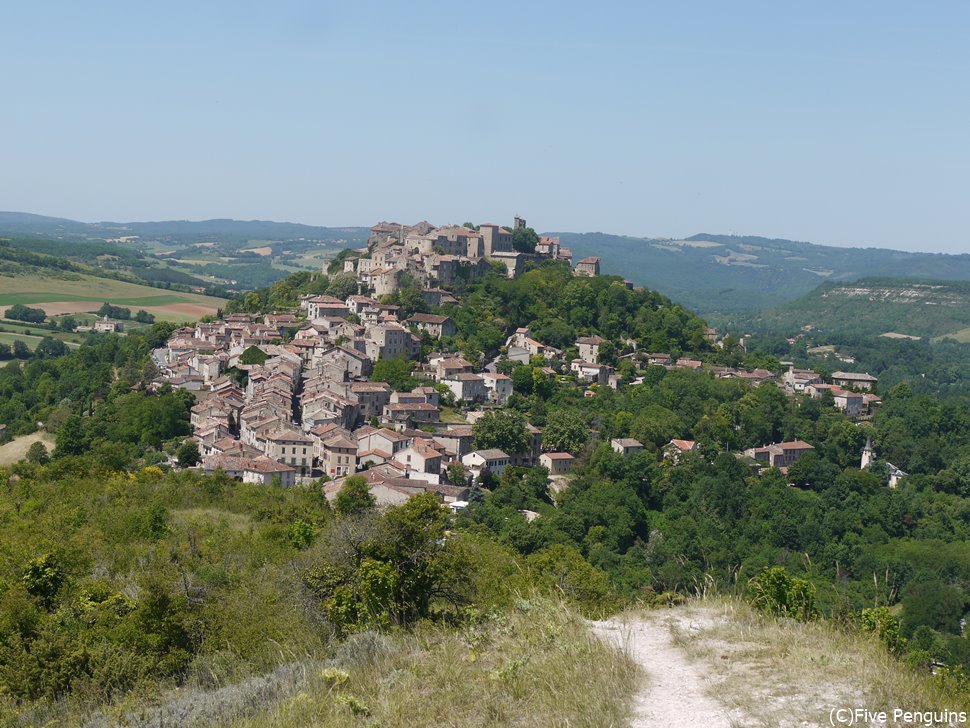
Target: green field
963,336
76,293
29,331
30,340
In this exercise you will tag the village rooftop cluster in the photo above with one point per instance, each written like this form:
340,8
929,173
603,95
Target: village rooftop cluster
309,408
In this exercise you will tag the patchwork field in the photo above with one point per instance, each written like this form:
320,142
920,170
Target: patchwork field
80,293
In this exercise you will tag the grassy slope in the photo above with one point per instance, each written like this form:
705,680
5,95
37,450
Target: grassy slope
778,672
535,664
521,668
11,331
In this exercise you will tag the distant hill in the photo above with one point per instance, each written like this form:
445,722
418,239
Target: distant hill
876,306
710,273
176,231
729,274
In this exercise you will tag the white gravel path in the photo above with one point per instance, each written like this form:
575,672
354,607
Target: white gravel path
675,691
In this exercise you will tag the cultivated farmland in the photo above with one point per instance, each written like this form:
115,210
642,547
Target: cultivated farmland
75,293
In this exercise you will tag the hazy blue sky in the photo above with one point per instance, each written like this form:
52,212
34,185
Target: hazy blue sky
843,123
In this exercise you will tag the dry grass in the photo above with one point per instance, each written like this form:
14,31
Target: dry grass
534,665
537,665
783,673
16,450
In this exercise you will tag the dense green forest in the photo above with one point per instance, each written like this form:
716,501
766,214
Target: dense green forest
105,382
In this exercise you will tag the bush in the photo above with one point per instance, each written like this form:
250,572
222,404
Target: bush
880,622
354,496
776,592
563,570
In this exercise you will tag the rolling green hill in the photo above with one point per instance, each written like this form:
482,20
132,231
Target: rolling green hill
177,231
723,273
712,274
60,292
875,306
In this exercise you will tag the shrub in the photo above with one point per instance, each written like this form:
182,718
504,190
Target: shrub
881,623
774,591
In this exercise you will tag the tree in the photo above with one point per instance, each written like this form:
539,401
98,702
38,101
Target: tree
566,431
562,570
43,578
253,355
188,454
342,286
20,349
504,430
70,438
607,353
19,312
411,300
524,240
420,563
396,372
115,312
49,348
354,496
523,380
457,473
395,570
37,453
143,317
934,603
776,592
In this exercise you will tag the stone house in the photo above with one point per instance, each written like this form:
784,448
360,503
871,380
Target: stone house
436,326
493,460
339,456
626,445
589,348
588,266
499,387
290,447
467,387
557,463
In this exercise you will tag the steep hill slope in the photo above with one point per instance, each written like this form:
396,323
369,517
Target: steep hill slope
875,306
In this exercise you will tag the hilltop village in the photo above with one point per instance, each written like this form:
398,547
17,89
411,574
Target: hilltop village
288,397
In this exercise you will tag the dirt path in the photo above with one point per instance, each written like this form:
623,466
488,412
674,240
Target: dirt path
675,693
